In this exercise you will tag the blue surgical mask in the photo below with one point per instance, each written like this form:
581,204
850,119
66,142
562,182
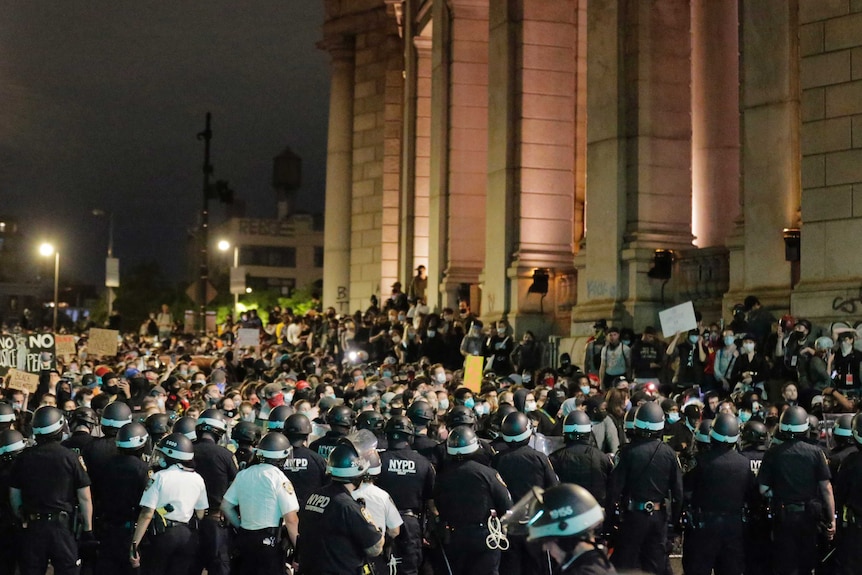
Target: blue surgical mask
744,416
469,403
431,333
673,417
443,404
728,340
693,338
627,342
387,374
585,389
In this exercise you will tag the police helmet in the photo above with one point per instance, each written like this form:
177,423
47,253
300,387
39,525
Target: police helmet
297,425
754,433
565,510
278,416
842,429
11,443
245,432
176,448
345,464
460,415
273,447
793,422
702,432
211,421
86,416
462,441
132,436
48,421
516,427
399,428
857,429
629,422
578,426
115,415
373,421
496,419
186,425
420,413
375,466
340,416
649,420
158,424
725,429
7,414
813,428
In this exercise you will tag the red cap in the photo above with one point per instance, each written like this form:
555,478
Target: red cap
101,370
302,384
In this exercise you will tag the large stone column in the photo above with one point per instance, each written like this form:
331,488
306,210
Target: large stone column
770,151
638,155
531,158
339,174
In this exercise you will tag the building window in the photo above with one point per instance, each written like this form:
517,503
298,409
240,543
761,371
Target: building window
318,256
268,256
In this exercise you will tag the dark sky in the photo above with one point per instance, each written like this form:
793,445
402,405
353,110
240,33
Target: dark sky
100,103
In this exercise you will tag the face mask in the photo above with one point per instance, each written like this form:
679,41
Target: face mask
673,416
411,333
744,416
357,378
17,406
846,346
396,339
275,401
229,413
387,374
585,389
692,339
482,409
111,389
329,395
184,372
431,333
748,347
443,404
401,317
220,387
728,340
627,342
159,401
440,377
248,416
288,397
530,406
469,403
628,404
501,331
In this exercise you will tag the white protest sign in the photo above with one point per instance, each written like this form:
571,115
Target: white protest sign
248,337
677,318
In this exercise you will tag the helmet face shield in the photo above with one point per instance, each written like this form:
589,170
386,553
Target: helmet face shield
363,441
517,520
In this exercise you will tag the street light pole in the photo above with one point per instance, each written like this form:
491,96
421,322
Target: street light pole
236,294
98,212
56,287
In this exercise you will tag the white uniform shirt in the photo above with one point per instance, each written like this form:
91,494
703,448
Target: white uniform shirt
263,495
183,488
380,506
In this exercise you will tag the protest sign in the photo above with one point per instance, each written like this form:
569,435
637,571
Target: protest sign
22,380
27,352
473,366
677,318
65,345
248,337
102,342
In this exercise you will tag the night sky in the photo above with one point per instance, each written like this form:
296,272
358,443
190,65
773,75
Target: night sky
100,103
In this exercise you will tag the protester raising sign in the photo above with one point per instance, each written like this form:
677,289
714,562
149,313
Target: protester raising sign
27,352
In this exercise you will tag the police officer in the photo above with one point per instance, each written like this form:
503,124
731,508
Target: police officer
409,478
373,421
126,477
379,504
305,468
218,468
565,519
421,414
848,499
46,483
754,438
246,434
337,532
522,468
795,476
458,416
492,430
340,420
186,425
277,417
646,476
267,500
7,416
470,498
82,423
158,425
579,461
843,443
102,449
11,445
172,496
717,490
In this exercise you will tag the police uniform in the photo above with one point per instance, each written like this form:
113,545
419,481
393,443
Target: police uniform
9,525
584,465
424,446
837,456
383,514
485,455
324,445
793,471
335,531
718,488
306,471
172,552
126,477
409,478
79,441
48,477
97,455
593,562
216,465
640,483
245,456
522,468
848,504
757,527
465,493
264,495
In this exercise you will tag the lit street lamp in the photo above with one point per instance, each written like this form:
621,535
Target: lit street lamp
224,246
48,250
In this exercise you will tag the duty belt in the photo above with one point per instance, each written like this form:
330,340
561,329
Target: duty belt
648,506
793,507
54,516
409,513
171,523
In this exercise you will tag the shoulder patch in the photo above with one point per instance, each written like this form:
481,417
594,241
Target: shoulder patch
367,515
287,487
150,482
81,461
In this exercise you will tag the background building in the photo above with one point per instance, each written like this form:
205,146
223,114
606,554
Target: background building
579,138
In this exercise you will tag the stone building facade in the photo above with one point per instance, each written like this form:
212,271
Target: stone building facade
493,139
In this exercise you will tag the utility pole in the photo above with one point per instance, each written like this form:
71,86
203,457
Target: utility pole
206,136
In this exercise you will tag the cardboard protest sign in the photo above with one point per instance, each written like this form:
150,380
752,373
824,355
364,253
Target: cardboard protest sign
102,342
65,345
677,318
22,380
248,337
27,352
473,367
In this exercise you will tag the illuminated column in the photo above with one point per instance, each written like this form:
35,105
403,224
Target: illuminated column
339,171
531,159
